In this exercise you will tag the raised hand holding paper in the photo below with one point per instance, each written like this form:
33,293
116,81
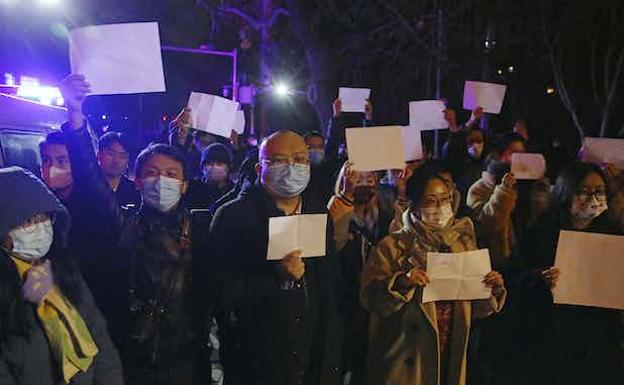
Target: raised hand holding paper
118,58
412,143
353,99
489,96
213,114
457,276
427,115
592,267
528,166
604,150
376,148
307,232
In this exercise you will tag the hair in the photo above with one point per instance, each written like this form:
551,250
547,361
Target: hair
417,183
312,134
568,181
55,137
113,137
13,307
160,149
506,140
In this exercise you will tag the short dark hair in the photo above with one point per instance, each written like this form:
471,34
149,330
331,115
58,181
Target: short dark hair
506,140
417,183
56,137
313,134
113,137
160,149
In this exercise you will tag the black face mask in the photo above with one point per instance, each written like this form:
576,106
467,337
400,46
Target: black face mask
363,194
498,169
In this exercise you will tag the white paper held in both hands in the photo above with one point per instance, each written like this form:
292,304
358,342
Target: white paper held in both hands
212,114
412,143
353,99
376,148
118,58
457,276
307,232
489,96
603,150
427,115
526,166
239,122
592,267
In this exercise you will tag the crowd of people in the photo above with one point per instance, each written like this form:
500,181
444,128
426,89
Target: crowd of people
164,279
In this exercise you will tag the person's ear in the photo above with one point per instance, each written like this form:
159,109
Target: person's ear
258,169
184,187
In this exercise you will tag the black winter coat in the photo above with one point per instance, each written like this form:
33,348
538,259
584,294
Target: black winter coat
271,335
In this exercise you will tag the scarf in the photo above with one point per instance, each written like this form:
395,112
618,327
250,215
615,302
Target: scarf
70,341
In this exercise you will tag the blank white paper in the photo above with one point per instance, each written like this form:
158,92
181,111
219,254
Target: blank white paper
412,143
353,99
118,58
376,148
604,150
489,96
526,166
212,114
427,115
307,232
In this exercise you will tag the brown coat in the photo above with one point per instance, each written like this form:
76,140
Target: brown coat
403,340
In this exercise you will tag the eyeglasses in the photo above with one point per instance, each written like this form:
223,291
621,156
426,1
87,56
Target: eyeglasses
586,195
436,201
301,160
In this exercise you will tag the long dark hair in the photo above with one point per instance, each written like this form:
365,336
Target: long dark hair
13,307
417,183
565,188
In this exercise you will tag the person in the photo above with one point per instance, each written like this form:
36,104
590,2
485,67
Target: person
159,328
493,199
412,342
465,151
247,176
278,320
565,344
215,182
323,170
56,168
113,156
361,217
51,331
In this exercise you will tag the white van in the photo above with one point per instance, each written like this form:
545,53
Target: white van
23,125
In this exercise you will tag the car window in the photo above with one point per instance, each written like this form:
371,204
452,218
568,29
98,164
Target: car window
21,149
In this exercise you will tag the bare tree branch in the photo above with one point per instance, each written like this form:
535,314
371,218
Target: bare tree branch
592,70
276,14
253,23
610,97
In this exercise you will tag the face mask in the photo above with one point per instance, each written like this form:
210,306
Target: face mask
215,173
33,242
437,217
316,156
58,178
286,180
475,150
162,193
588,210
363,194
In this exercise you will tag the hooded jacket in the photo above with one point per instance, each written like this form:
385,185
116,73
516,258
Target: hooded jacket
26,358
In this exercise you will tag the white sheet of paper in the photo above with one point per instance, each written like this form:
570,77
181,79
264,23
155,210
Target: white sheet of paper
427,115
376,148
604,150
457,276
526,166
353,99
307,232
239,122
118,58
213,114
412,143
489,96
592,267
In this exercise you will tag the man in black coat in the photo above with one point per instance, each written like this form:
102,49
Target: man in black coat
278,320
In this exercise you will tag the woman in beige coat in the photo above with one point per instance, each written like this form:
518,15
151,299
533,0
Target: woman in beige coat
412,343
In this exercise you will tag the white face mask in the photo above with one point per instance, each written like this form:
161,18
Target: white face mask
475,150
588,210
59,178
215,173
437,217
34,241
162,192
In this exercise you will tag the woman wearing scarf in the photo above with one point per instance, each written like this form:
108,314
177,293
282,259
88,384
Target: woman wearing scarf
415,343
51,332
